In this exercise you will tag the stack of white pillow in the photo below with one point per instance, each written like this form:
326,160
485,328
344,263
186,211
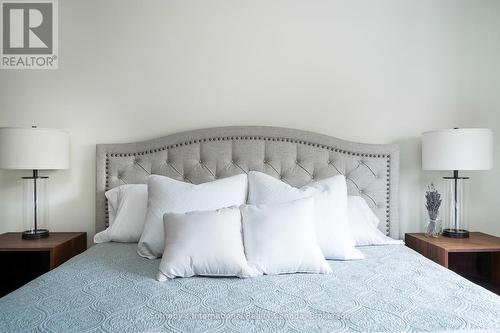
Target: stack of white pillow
244,225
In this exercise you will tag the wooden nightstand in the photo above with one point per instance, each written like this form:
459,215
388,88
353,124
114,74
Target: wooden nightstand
476,258
24,260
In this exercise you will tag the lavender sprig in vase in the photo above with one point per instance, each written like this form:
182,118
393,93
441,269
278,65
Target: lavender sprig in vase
433,203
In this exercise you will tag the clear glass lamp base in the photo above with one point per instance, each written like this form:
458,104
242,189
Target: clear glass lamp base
35,207
456,206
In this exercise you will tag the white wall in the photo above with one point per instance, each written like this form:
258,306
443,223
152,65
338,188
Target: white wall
481,97
372,71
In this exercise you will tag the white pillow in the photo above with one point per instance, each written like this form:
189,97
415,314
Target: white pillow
281,238
364,224
330,199
167,195
127,207
204,243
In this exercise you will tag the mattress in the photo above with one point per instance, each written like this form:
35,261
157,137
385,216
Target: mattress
110,288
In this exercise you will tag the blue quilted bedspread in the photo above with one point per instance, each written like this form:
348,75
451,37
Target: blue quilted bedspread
110,289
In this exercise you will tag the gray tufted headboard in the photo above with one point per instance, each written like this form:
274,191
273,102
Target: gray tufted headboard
294,156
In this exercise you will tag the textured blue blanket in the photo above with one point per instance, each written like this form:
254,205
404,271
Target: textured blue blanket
109,288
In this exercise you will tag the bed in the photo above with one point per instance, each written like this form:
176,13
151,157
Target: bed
110,288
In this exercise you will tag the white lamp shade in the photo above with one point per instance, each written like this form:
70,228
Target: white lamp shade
458,149
33,148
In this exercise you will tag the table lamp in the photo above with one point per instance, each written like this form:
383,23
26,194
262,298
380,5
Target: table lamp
34,149
457,149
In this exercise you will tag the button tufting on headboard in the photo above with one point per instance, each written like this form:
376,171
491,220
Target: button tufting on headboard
297,157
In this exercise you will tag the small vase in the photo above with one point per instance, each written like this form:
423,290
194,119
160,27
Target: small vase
433,227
